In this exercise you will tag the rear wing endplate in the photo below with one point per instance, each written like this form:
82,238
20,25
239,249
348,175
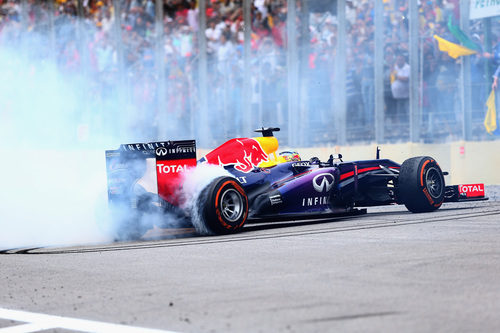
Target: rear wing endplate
154,167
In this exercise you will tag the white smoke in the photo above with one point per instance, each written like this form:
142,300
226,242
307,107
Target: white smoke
55,123
52,142
49,197
53,165
195,181
50,182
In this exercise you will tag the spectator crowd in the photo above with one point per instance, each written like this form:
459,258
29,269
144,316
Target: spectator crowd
160,70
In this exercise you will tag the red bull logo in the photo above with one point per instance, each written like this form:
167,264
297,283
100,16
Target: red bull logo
243,153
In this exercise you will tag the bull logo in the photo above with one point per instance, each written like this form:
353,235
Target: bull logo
244,154
323,182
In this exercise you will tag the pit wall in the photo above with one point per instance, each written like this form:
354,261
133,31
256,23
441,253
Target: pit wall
467,162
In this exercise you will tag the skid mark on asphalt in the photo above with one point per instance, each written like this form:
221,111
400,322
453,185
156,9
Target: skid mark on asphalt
377,220
36,322
354,316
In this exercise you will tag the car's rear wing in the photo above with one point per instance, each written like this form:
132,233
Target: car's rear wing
464,192
154,167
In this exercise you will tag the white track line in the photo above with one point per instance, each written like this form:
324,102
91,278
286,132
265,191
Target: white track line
26,328
43,322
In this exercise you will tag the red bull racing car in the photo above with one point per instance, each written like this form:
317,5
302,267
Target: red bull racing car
150,183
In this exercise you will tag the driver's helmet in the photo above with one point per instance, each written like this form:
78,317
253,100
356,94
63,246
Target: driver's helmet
288,156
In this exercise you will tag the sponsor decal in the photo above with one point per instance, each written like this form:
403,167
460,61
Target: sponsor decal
175,150
471,190
314,201
174,168
170,147
144,146
242,180
162,151
244,154
275,199
301,164
169,178
139,146
323,182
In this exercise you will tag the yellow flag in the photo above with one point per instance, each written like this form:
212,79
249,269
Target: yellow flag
490,121
454,50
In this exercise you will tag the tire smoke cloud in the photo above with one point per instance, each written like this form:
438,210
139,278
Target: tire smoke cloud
53,133
53,173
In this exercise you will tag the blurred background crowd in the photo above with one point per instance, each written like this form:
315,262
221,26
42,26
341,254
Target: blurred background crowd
125,42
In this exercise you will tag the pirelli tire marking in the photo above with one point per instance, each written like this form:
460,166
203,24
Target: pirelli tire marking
223,205
421,184
220,209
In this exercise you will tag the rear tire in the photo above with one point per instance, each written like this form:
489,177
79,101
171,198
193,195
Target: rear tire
421,184
221,208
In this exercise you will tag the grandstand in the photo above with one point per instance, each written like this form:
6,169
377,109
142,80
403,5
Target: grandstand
325,72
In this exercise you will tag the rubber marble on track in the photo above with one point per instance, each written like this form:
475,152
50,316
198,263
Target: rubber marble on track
389,270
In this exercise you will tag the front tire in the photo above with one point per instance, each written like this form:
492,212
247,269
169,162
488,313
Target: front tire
421,184
221,208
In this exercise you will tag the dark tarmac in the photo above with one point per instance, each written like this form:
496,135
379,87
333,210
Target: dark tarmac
389,270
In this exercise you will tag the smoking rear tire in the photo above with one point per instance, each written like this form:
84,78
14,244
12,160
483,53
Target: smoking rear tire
221,208
421,184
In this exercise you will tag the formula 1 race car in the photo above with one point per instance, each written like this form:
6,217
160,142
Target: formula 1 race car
257,184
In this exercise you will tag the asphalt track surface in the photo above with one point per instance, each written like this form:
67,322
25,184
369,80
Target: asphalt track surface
389,270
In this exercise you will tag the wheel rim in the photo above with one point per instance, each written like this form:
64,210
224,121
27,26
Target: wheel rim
434,182
231,205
